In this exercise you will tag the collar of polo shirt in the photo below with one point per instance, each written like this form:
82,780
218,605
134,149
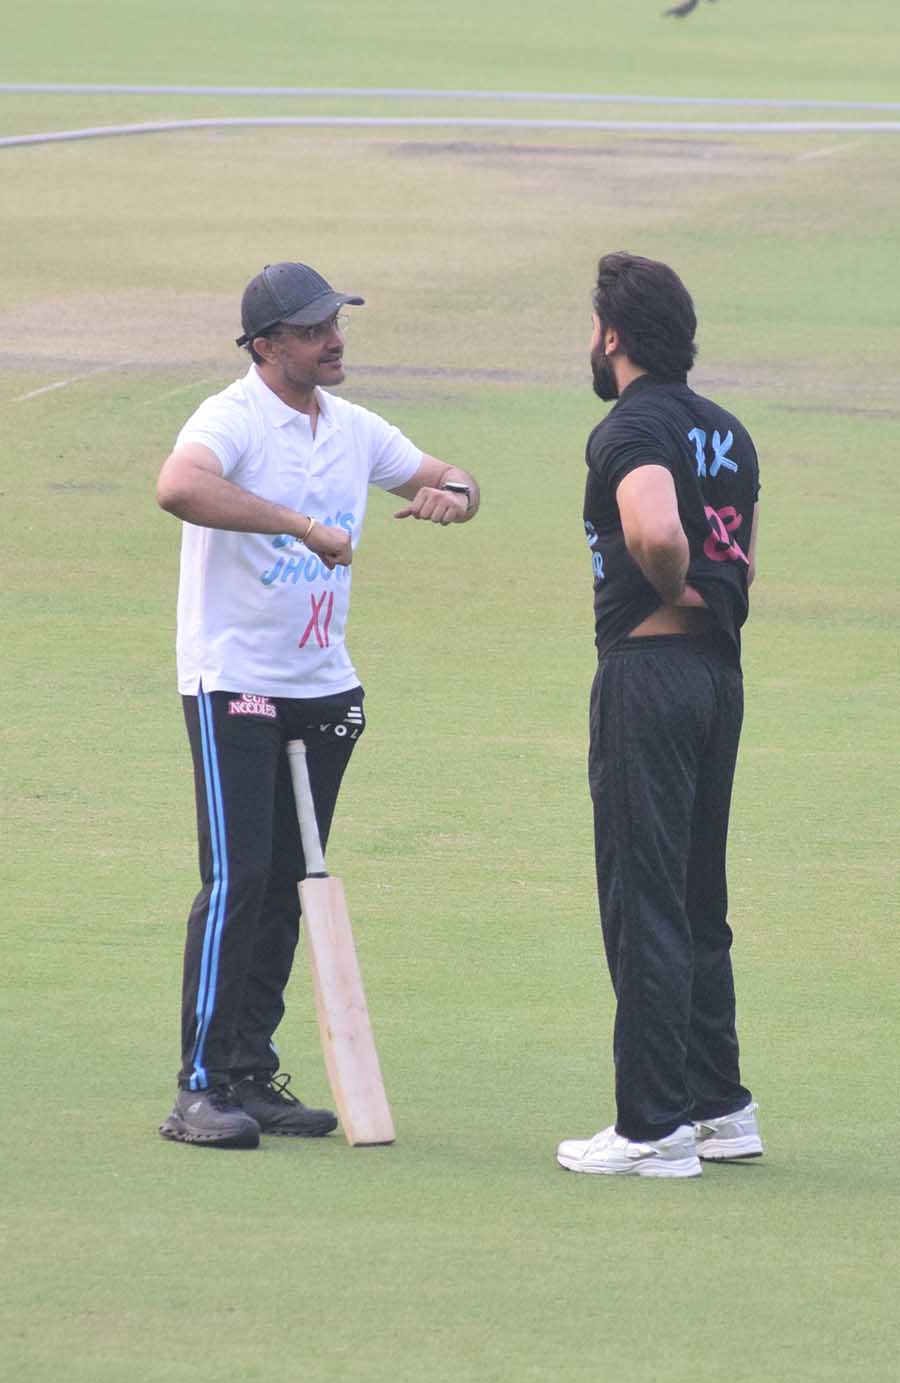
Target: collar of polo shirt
278,412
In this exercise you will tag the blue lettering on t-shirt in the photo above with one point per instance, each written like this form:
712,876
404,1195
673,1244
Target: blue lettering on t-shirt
308,568
720,447
596,555
294,569
720,453
698,437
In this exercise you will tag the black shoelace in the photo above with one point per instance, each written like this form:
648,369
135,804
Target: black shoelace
277,1089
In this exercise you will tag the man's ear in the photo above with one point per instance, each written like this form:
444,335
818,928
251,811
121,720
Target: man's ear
610,341
264,346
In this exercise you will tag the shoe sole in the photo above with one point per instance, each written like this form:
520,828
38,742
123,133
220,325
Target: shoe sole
298,1133
730,1149
671,1167
177,1132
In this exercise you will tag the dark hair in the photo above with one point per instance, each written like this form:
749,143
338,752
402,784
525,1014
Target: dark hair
650,308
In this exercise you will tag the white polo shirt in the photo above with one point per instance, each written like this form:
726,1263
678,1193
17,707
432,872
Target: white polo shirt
259,613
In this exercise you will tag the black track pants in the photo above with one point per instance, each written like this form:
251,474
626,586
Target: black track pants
244,923
665,723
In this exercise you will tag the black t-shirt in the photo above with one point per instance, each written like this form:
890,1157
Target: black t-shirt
712,460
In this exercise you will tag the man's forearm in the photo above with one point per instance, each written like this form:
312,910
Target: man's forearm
210,501
665,567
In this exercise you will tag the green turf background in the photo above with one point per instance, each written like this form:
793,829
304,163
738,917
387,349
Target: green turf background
462,1254
819,48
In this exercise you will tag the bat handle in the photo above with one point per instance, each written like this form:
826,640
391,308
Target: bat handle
306,810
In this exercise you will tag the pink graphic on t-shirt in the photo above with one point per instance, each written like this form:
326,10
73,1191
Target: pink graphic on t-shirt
326,600
720,546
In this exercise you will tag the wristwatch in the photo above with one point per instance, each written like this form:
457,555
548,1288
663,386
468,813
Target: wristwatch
457,488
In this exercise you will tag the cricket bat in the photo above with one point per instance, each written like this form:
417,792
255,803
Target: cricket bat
348,1045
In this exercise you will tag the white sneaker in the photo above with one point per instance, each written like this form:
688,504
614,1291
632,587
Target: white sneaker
730,1137
608,1153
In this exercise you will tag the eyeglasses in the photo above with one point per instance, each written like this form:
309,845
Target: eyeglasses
320,331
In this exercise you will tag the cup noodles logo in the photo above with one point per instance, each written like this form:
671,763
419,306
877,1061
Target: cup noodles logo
250,705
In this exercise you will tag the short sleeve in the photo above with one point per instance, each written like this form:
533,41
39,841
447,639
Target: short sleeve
222,426
393,458
614,453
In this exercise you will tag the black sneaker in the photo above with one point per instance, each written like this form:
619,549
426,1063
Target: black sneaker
276,1110
212,1118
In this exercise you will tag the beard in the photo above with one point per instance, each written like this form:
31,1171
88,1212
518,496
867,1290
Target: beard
605,386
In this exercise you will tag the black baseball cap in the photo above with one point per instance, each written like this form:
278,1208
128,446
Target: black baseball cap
292,293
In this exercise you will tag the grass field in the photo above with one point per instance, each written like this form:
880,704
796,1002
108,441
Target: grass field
462,1254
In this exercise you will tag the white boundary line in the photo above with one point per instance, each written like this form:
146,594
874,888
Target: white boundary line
454,122
415,93
184,388
74,379
832,149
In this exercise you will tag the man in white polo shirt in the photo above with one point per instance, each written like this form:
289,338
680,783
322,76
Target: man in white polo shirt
271,479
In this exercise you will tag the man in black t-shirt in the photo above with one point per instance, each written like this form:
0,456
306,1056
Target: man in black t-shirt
671,516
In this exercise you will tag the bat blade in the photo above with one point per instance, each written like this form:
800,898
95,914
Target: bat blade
348,1044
